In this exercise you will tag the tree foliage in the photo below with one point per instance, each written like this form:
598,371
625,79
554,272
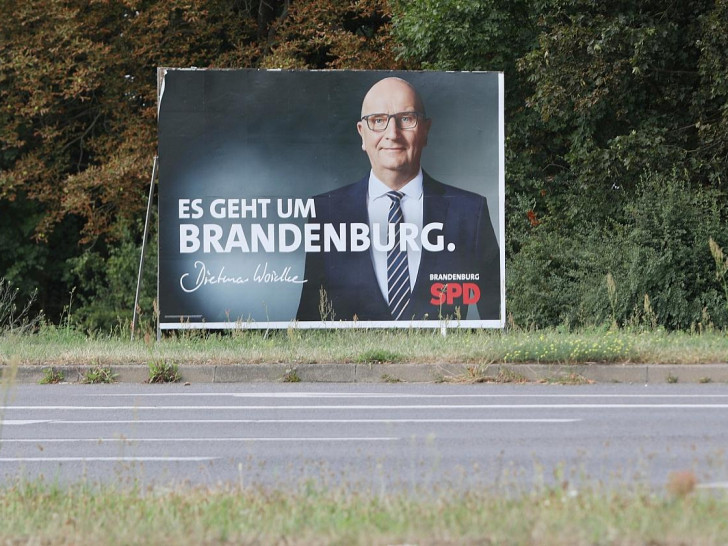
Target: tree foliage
78,108
655,250
458,35
606,102
600,96
623,89
332,34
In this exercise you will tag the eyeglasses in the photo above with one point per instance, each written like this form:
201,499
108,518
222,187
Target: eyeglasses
404,120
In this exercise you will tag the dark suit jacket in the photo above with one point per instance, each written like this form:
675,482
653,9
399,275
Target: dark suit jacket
349,280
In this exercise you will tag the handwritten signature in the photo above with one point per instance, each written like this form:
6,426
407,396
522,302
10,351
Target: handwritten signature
202,276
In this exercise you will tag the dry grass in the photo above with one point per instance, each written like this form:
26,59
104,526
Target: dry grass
37,513
66,347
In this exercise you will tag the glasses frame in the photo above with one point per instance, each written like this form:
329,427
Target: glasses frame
417,116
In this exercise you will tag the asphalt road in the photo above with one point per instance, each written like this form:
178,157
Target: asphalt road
375,436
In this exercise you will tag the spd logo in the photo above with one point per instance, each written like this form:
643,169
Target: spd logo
454,292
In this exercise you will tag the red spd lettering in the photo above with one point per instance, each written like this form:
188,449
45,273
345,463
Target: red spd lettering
454,292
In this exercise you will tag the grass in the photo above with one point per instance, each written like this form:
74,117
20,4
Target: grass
567,379
53,347
161,371
291,376
99,374
82,514
484,374
52,377
312,513
378,356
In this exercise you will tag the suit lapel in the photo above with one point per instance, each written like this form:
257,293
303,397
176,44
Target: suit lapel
351,205
354,210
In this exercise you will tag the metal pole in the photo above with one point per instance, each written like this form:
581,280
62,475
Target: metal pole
135,319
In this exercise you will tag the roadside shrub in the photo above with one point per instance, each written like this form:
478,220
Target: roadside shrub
543,280
656,250
105,284
667,253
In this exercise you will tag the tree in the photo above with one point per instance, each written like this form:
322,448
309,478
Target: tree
486,35
333,34
78,108
625,89
600,95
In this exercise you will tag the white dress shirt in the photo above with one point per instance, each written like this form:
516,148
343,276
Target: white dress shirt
378,204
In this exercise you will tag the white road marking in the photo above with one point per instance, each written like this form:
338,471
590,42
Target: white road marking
713,485
304,421
103,459
187,440
397,395
21,422
373,407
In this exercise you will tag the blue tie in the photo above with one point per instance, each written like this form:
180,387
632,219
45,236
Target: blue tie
398,279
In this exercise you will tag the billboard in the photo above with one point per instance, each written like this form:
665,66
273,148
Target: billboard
330,199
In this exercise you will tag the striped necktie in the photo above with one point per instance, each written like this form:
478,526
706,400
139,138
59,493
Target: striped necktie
398,279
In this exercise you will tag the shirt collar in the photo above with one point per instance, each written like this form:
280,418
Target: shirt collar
412,189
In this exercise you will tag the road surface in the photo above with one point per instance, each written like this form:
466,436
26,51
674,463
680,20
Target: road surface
379,437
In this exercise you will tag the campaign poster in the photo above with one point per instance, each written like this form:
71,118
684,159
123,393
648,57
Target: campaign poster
330,199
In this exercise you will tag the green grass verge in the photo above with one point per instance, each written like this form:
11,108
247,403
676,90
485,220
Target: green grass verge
36,513
52,346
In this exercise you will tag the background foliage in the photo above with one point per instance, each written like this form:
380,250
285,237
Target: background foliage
616,149
617,136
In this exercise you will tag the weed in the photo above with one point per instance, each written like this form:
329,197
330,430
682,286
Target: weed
67,311
99,374
540,347
291,376
473,374
671,378
572,378
650,317
612,293
326,307
52,376
508,375
293,333
705,380
478,374
161,371
386,378
378,356
721,266
7,382
12,317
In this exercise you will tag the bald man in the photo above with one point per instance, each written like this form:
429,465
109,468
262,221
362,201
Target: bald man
431,251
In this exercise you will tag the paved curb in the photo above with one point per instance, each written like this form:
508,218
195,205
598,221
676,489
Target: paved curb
408,373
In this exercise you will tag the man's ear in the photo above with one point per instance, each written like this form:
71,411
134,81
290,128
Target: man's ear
360,128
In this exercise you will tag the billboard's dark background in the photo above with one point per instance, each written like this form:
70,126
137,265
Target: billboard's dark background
254,134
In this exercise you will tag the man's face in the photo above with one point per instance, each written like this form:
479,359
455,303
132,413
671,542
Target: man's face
393,153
